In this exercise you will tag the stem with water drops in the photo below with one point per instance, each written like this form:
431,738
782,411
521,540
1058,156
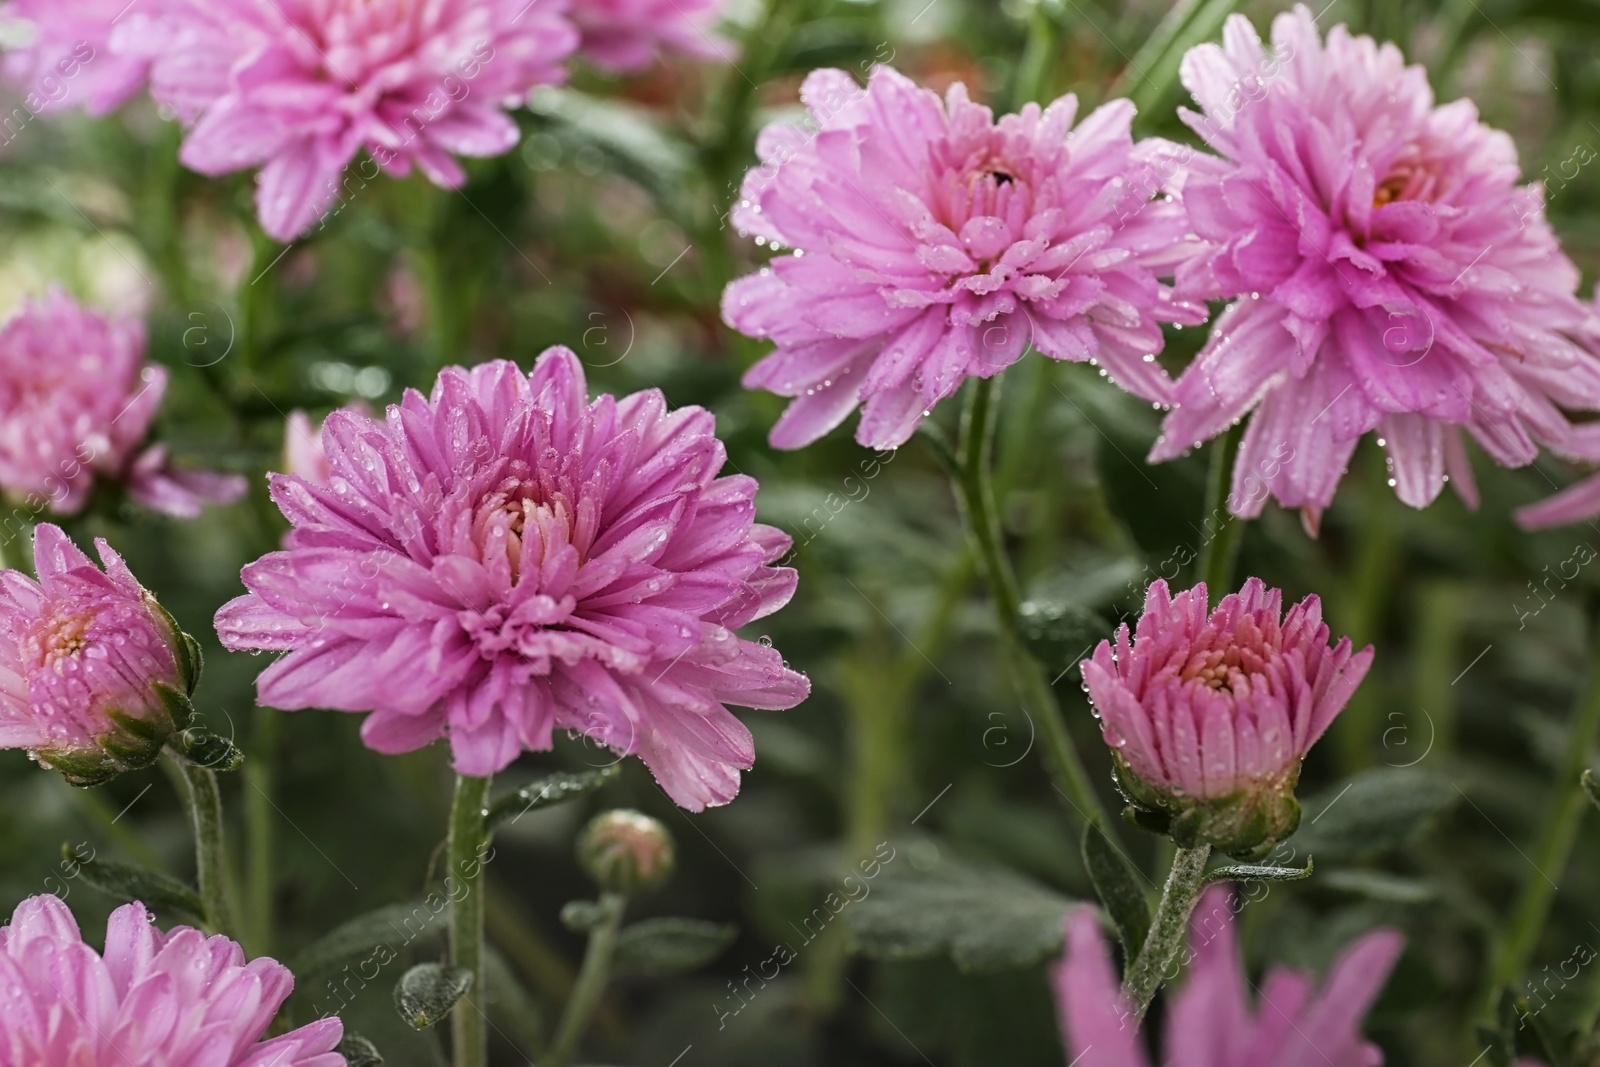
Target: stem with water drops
469,834
203,799
1161,946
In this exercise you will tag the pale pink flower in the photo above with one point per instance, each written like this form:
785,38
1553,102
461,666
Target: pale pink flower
89,664
70,60
934,244
302,445
174,998
299,87
629,35
76,400
1208,717
506,559
1391,275
1211,1022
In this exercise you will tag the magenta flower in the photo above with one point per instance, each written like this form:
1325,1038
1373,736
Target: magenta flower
1392,275
1208,718
628,35
178,997
933,244
1210,1022
70,60
299,87
94,676
505,559
76,400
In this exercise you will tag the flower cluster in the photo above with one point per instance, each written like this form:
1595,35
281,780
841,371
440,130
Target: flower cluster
173,998
504,559
299,89
76,400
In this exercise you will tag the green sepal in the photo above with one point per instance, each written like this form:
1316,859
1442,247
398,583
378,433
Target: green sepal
581,916
185,649
179,708
1244,823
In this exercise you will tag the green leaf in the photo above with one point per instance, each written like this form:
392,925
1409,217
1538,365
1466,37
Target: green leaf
1116,882
984,918
426,993
552,789
358,1051
671,946
1374,811
124,881
1591,787
390,927
206,749
1060,633
581,916
1248,872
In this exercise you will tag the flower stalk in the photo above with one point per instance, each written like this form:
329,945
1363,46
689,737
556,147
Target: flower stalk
974,488
203,799
1219,554
1178,898
592,978
469,832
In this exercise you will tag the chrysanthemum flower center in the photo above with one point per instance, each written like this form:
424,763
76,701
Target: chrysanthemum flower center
1410,178
60,638
551,521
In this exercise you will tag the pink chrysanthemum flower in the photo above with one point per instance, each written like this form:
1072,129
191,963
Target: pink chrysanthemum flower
628,35
299,87
505,559
93,675
69,59
934,244
1208,718
1211,1022
1392,275
174,998
76,400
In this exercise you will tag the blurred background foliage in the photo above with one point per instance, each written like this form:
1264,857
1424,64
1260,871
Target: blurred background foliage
605,231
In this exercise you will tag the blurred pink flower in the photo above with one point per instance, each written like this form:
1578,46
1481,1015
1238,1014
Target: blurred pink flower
628,35
178,997
1209,717
82,653
505,559
1211,1022
1392,275
76,400
299,87
70,59
302,445
934,244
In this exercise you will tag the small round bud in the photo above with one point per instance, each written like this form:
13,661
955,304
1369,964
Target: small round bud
625,851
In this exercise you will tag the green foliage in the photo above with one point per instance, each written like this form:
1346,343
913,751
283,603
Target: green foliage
1118,884
671,946
125,881
426,993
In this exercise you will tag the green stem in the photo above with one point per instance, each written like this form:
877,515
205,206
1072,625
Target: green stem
258,829
203,798
468,834
1158,72
1167,929
591,982
976,491
1220,554
1034,68
1558,831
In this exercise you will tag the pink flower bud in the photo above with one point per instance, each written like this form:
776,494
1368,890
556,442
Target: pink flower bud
1209,717
94,675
